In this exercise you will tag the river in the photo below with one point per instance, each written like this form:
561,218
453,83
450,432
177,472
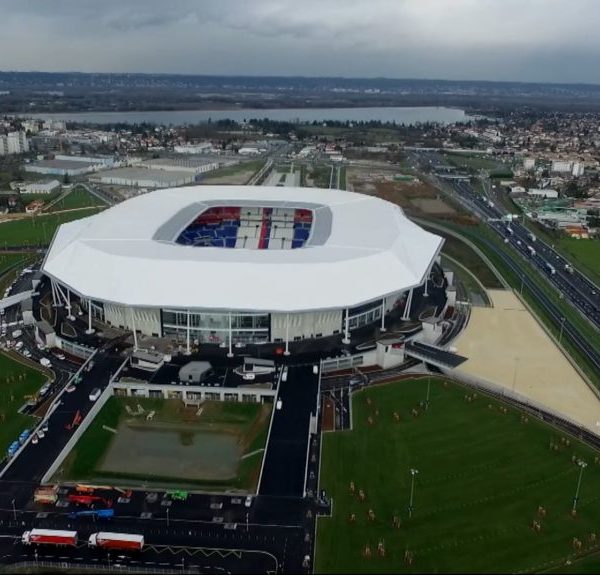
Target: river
399,115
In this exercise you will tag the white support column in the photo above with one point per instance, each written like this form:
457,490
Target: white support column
70,316
407,306
90,329
346,339
425,293
135,342
188,351
383,316
287,334
230,352
54,295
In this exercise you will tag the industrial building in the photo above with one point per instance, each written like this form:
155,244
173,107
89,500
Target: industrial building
232,265
13,143
141,177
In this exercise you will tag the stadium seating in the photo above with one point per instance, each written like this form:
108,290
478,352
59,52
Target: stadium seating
249,228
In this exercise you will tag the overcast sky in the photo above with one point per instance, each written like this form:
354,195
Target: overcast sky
527,40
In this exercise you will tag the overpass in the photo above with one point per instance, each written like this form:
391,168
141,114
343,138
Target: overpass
433,355
17,298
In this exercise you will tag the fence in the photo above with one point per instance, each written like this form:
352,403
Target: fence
54,566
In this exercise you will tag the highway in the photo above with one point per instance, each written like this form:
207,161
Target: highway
518,240
581,292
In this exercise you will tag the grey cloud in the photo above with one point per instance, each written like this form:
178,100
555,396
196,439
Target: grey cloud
540,40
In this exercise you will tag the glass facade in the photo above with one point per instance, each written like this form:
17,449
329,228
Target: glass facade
213,327
364,314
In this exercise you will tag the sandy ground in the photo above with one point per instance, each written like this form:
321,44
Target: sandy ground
506,345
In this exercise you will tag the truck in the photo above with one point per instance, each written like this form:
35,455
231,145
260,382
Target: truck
95,513
531,237
122,541
49,537
46,494
531,250
88,499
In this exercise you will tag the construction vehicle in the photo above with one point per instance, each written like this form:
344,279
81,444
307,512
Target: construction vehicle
88,499
76,421
178,495
122,541
46,494
96,513
49,537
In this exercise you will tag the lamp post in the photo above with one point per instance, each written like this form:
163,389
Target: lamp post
413,473
562,325
582,465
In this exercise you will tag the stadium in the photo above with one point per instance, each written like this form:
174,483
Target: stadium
236,265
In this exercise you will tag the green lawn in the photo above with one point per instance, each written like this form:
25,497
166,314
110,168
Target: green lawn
473,162
585,255
242,419
16,381
482,474
39,230
79,197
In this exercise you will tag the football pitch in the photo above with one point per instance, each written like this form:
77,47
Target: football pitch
492,488
218,446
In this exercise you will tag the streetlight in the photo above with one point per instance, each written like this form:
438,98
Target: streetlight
582,465
514,382
562,325
413,472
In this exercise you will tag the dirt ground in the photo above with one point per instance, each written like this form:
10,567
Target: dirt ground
417,198
507,346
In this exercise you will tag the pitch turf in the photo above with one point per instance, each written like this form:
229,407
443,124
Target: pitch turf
482,475
17,381
220,449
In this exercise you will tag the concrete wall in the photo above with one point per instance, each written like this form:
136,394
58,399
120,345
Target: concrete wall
191,394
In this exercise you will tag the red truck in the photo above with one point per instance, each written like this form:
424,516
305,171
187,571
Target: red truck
49,537
89,499
123,541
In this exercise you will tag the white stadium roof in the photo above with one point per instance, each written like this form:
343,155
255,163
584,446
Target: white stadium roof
361,248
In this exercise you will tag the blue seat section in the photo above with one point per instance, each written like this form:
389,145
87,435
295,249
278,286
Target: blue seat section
223,234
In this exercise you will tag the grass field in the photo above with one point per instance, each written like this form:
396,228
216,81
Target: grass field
79,197
585,255
482,476
194,459
39,230
16,382
475,162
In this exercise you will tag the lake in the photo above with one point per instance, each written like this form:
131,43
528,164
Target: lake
399,115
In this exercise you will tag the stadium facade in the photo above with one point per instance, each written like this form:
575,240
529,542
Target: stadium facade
232,265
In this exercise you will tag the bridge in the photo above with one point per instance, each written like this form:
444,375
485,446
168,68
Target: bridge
433,355
17,298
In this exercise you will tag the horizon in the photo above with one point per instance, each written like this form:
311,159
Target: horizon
305,76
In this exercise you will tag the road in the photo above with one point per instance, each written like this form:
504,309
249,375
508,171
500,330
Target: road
461,191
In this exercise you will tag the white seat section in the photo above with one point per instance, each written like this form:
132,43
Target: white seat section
252,243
